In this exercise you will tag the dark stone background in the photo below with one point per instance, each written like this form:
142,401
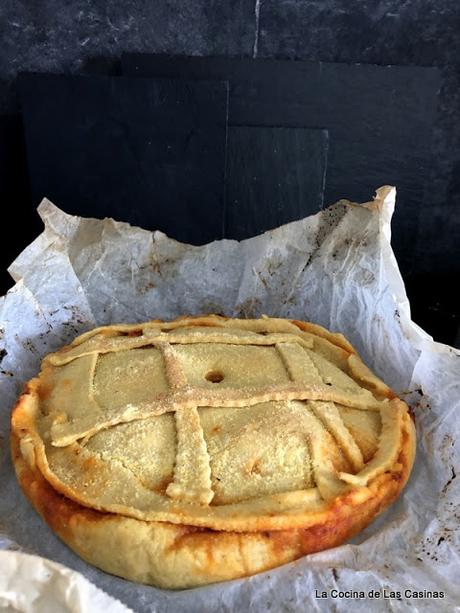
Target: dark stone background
80,36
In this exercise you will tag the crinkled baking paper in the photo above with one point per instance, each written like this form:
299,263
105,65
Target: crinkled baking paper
335,268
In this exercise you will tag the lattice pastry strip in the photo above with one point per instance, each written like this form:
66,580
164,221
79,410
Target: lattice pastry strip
66,433
329,414
107,344
325,474
194,487
174,372
300,367
182,396
309,382
392,414
303,369
191,486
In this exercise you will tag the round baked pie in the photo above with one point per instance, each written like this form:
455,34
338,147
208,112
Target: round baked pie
204,449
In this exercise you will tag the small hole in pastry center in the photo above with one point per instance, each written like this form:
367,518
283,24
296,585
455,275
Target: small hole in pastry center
215,376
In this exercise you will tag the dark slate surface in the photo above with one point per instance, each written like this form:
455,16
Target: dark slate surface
151,152
20,224
437,247
422,32
274,175
380,120
56,36
435,305
419,32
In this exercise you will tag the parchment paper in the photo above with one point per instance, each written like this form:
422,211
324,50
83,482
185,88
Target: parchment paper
335,268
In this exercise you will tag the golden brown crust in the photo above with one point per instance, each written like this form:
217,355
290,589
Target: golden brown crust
226,540
175,557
